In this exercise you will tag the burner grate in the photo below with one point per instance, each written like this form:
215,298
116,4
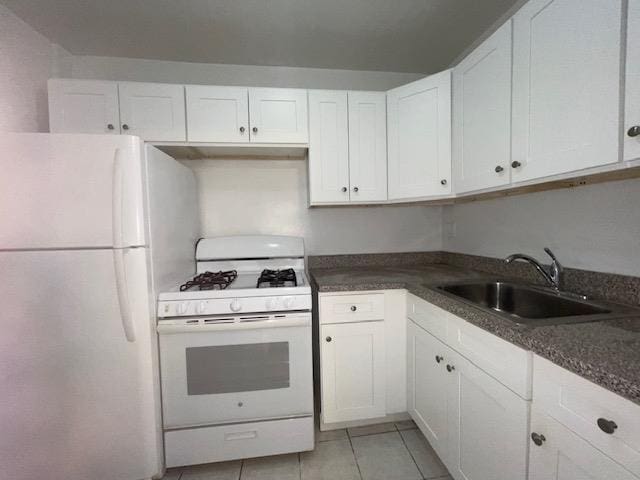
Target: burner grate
211,281
277,278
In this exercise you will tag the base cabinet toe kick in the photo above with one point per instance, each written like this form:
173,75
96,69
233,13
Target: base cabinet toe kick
490,409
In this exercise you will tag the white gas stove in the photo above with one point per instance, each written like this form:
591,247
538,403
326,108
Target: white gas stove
242,274
235,351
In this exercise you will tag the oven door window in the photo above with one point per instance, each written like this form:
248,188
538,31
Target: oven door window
237,368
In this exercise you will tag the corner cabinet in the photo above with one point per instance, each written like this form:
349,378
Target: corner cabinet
419,138
347,147
566,86
482,115
632,113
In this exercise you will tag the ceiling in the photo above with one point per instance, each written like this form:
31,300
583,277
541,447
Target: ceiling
419,36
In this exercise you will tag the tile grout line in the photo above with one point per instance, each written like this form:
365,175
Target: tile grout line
409,451
354,455
241,467
300,465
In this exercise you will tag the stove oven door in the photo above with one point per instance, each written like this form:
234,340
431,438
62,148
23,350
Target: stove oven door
218,371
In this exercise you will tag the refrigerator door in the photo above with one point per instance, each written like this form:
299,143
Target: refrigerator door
70,191
77,398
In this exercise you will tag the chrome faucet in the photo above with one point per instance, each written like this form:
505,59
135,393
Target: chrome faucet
553,274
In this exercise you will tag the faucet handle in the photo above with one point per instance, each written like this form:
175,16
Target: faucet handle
556,268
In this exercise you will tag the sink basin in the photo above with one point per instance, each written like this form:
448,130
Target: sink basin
528,305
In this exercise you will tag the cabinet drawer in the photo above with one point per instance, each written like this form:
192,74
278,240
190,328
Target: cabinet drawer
578,404
507,363
428,316
351,308
193,446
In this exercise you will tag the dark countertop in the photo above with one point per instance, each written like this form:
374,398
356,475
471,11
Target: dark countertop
606,353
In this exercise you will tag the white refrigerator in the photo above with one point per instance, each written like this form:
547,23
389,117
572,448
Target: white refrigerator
91,226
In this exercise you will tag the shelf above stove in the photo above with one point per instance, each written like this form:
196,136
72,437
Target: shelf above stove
249,151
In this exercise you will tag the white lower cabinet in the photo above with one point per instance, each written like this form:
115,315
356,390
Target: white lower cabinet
352,359
563,455
427,381
477,426
487,423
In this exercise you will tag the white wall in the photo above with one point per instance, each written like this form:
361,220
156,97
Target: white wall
594,227
27,60
270,197
115,68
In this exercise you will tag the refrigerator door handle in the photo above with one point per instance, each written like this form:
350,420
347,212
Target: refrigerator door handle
123,294
117,200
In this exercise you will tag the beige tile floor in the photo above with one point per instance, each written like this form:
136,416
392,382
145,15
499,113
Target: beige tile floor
387,451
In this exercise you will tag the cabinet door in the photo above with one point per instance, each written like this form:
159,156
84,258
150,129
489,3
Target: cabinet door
632,113
352,364
153,111
427,381
566,86
368,146
217,114
419,136
482,115
488,426
278,115
328,147
563,455
83,106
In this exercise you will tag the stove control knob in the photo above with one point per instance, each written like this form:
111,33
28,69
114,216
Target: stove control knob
182,308
235,305
272,303
288,302
202,307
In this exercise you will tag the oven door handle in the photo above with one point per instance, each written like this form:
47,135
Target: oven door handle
201,325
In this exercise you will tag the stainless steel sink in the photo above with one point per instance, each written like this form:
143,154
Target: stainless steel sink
530,305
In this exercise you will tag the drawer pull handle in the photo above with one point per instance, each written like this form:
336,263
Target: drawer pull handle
353,308
607,426
439,358
328,339
538,439
241,435
450,368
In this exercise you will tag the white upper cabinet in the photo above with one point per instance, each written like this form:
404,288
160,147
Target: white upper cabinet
368,146
632,113
153,111
566,86
217,114
328,147
83,106
482,115
419,136
278,115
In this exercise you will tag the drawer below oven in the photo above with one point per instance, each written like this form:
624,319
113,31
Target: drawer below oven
232,442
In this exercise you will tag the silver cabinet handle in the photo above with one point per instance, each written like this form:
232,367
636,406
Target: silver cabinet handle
125,126
241,129
634,131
